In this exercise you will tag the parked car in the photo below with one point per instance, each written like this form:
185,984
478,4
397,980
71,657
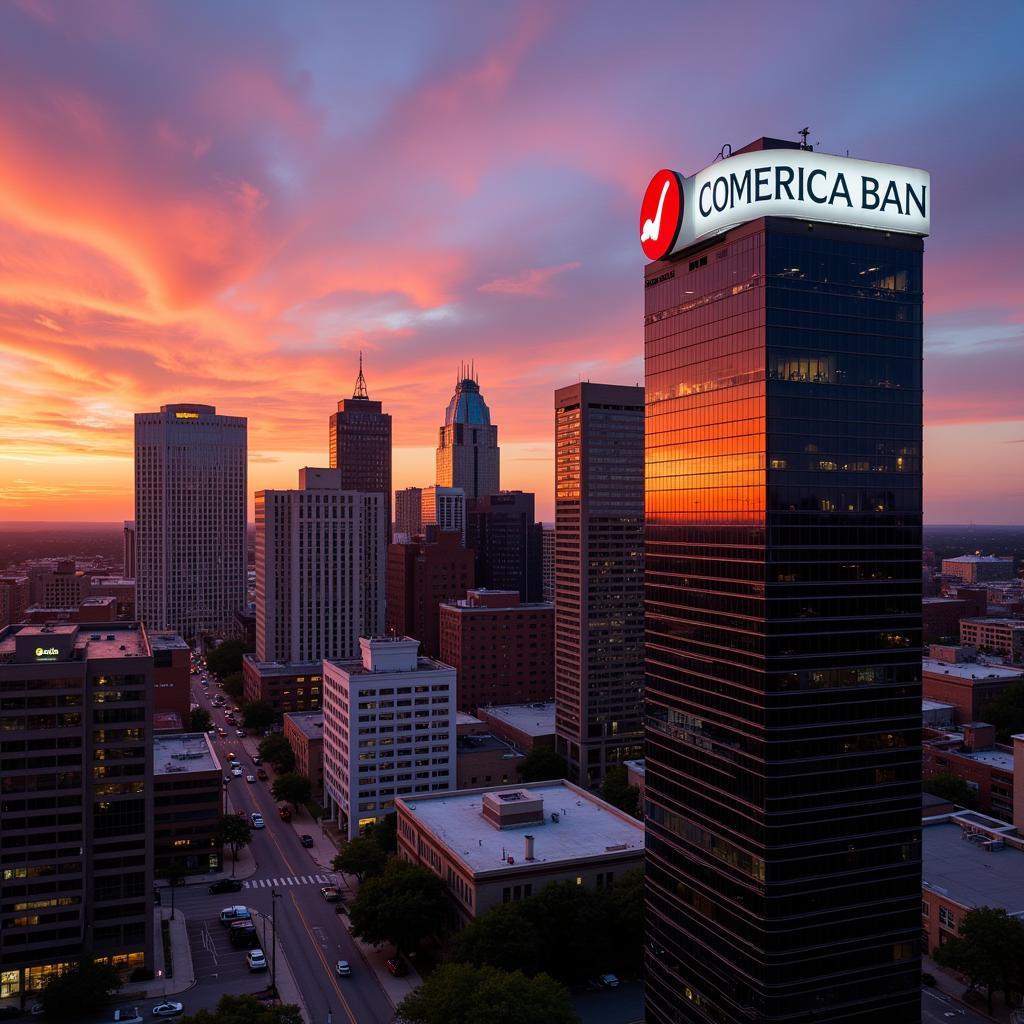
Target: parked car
256,818
609,981
261,774
256,959
306,840
168,1009
225,885
229,915
928,979
243,935
284,812
342,969
330,893
397,967
240,733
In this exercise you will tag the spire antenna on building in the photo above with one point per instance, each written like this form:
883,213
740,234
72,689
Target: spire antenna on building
360,391
803,133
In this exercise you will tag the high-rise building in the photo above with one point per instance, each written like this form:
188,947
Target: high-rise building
190,516
389,730
128,548
15,598
445,509
319,569
420,575
360,446
409,512
599,576
507,542
77,809
548,561
467,451
783,567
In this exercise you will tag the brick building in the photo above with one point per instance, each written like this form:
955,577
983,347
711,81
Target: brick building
285,687
978,568
172,674
995,636
15,597
304,731
525,726
940,616
484,760
974,756
970,685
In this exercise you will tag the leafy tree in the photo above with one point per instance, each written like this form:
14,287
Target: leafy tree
542,764
504,937
385,832
1006,712
236,831
85,988
200,720
403,905
245,1010
464,994
619,793
234,685
276,750
561,912
226,657
258,715
625,905
174,874
362,857
292,788
951,787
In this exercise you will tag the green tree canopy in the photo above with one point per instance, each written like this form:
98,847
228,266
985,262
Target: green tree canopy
276,750
542,764
464,994
234,685
619,793
1006,712
226,657
85,988
362,857
236,831
385,832
199,720
258,715
292,788
504,937
625,904
403,905
245,1010
951,787
562,912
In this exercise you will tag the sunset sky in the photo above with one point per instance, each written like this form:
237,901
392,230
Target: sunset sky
223,202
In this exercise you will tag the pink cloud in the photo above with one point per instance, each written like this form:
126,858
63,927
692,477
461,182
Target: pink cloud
529,282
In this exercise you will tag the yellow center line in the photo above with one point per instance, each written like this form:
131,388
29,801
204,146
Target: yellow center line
324,960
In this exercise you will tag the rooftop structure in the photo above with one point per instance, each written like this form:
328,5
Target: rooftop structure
188,752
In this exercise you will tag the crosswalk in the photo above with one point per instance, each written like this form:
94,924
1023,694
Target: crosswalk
273,883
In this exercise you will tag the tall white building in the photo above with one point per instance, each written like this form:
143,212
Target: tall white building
445,508
190,513
320,554
389,730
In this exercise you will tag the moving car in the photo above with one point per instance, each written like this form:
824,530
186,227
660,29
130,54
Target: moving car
240,733
236,770
330,893
396,966
284,813
250,778
256,959
230,755
221,732
256,759
225,885
261,774
342,969
256,818
168,1009
306,840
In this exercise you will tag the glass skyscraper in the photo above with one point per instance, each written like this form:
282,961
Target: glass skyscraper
783,620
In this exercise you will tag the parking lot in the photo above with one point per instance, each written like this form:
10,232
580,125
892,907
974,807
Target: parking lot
215,959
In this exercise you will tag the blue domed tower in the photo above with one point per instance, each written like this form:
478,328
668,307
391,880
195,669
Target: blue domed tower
467,451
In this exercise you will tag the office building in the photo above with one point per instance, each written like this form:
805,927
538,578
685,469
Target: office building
77,811
319,569
958,678
128,548
485,760
599,576
443,508
389,730
525,726
420,575
15,598
1004,637
467,451
119,588
360,447
408,513
304,731
508,544
940,616
502,650
59,584
783,598
503,845
190,518
978,568
548,556
172,674
971,753
286,687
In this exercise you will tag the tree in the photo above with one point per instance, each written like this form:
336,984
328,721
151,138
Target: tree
276,750
952,788
245,1010
258,715
362,857
542,764
236,831
1006,712
292,788
85,988
464,994
625,904
403,905
619,793
234,685
174,874
226,657
504,937
385,832
560,913
200,720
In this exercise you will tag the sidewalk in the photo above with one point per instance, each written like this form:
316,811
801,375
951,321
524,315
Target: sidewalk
950,985
245,867
161,987
287,988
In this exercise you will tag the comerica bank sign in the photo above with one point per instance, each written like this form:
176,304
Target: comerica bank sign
797,183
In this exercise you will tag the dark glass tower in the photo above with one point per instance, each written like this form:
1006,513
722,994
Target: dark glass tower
500,528
783,620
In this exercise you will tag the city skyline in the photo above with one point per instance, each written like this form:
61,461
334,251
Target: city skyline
232,229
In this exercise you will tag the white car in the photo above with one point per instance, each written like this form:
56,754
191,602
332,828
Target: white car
256,959
168,1009
236,770
250,778
256,818
342,969
240,733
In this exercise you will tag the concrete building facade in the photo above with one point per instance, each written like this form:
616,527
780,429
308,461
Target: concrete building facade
304,731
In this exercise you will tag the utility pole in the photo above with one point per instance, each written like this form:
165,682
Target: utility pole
275,896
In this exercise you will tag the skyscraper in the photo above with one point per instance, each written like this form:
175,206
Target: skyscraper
360,446
501,530
409,512
783,565
319,569
128,548
467,452
190,511
444,508
599,576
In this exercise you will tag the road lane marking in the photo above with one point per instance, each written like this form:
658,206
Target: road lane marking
323,957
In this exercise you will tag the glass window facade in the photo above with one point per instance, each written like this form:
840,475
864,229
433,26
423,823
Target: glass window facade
783,598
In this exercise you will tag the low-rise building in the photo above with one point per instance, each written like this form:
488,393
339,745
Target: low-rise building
970,685
484,760
505,844
119,588
304,731
973,755
995,636
525,726
978,568
636,775
940,616
188,803
936,714
297,686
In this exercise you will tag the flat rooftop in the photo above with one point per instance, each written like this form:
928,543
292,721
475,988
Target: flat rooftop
969,670
995,620
309,723
996,758
185,752
984,559
587,827
165,641
89,639
638,766
357,668
283,668
935,705
485,743
532,719
966,873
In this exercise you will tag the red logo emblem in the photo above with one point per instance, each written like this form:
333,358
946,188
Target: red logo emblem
661,214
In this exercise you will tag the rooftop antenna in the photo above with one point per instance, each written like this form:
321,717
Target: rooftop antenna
360,391
803,133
